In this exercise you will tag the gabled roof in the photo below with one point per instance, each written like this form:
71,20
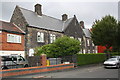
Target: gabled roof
87,33
10,27
44,21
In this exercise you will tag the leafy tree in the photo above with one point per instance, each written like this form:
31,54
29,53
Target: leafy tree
104,31
116,46
63,46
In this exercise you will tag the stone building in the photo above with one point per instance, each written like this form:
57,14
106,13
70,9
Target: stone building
42,29
87,43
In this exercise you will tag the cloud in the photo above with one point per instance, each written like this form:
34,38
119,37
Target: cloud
85,11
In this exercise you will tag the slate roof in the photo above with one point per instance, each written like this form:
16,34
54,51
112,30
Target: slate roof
87,33
44,21
10,27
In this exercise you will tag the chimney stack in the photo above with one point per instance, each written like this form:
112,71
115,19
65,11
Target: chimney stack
38,9
82,24
64,17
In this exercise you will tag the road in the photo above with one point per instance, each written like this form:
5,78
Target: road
91,71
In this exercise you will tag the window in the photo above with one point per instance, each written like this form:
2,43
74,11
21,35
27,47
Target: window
93,44
13,38
83,51
88,51
72,37
88,42
52,38
40,37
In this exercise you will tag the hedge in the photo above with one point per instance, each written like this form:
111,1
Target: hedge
84,59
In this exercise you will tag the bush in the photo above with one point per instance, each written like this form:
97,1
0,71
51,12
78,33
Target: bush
84,59
63,46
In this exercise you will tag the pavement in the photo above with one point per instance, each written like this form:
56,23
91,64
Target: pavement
87,71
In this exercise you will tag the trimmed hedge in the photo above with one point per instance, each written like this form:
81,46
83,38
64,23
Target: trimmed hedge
115,53
84,59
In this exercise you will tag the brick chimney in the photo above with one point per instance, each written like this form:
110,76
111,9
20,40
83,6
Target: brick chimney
38,9
64,17
82,24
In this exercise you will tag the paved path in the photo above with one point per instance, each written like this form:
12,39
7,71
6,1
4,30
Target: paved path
92,71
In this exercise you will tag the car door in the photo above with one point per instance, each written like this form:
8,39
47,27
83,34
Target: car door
20,61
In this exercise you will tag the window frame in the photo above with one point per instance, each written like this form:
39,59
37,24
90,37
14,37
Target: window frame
52,38
40,37
12,38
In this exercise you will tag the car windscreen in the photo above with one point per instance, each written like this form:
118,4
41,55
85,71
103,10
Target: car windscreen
112,59
9,58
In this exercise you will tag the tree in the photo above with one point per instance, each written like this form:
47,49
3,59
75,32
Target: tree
116,46
63,46
104,31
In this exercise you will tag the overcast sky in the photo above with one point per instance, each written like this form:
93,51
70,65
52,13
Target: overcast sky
87,10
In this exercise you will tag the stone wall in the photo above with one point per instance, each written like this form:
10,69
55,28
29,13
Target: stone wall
32,37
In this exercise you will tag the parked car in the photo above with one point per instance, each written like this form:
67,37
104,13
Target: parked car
13,61
112,63
115,57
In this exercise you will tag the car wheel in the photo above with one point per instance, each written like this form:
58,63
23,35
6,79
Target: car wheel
5,67
118,66
26,65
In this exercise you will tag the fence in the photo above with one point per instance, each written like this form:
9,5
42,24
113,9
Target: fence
34,61
65,59
71,59
54,61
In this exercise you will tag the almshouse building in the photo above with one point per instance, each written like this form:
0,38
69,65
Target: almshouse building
42,29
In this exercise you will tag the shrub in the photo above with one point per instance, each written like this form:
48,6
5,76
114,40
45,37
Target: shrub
84,59
63,46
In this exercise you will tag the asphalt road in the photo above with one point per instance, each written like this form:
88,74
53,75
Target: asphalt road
91,71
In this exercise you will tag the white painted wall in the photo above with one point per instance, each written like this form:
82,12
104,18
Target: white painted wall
22,53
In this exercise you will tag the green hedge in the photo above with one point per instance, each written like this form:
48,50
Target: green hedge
115,53
83,59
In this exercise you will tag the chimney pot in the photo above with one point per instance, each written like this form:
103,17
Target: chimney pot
82,24
64,17
38,9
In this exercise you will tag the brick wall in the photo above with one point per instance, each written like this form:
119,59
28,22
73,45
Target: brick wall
33,70
11,46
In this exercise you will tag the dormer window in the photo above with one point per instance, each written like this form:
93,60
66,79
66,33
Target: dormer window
40,37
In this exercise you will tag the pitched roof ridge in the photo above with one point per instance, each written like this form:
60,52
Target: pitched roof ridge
52,17
34,12
25,9
69,19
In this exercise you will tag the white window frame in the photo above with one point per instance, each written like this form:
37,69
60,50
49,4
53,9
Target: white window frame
88,51
40,37
93,44
52,38
12,38
84,51
88,42
71,37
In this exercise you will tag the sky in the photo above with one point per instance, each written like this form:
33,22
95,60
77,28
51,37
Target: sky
85,10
